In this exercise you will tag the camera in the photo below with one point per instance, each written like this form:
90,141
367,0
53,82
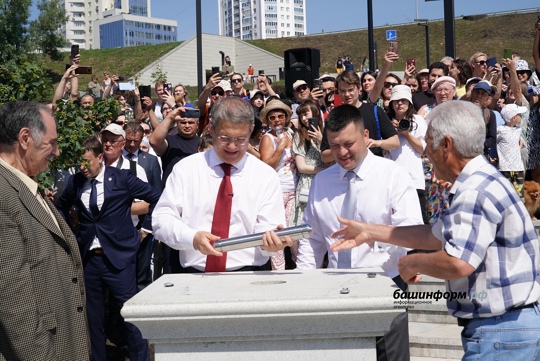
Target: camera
405,124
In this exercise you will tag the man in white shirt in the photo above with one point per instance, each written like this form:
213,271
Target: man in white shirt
184,216
383,192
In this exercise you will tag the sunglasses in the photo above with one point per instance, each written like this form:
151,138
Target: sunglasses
481,62
389,84
147,131
274,117
236,80
301,88
217,92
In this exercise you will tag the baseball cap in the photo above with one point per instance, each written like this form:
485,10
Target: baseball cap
425,70
115,129
511,110
223,84
485,86
299,83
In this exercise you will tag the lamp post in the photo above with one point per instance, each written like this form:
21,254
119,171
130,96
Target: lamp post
425,24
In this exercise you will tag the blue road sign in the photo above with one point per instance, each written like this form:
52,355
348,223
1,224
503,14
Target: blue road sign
391,35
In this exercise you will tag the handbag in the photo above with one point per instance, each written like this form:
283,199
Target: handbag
304,195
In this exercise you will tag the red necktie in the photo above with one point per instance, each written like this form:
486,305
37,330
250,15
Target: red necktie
221,219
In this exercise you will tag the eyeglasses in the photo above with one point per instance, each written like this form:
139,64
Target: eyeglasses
273,118
345,91
389,84
228,140
301,88
443,90
521,72
237,80
481,62
217,92
147,131
111,141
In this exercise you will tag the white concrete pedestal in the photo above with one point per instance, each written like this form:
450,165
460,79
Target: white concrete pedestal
289,315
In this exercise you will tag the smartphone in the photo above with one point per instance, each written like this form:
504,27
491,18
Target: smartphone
191,113
507,53
337,100
313,123
74,50
410,62
491,62
215,69
261,72
145,91
167,87
126,86
317,83
81,69
393,47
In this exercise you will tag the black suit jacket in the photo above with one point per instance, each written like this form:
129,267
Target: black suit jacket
152,169
113,226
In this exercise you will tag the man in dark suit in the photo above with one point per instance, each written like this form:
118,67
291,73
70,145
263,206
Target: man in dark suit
42,297
107,239
131,153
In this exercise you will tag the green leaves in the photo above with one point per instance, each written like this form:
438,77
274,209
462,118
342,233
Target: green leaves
74,125
23,81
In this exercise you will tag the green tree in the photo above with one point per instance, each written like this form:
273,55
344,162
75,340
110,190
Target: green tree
14,16
24,81
45,33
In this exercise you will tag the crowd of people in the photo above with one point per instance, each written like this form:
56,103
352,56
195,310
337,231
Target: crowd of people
387,166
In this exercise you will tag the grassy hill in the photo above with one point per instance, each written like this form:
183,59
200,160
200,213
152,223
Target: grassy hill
489,34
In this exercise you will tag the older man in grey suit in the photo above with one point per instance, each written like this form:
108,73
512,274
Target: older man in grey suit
42,294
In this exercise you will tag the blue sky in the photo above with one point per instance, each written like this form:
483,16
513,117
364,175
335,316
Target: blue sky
333,15
336,15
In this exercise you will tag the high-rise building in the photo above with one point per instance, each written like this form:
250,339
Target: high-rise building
262,19
103,24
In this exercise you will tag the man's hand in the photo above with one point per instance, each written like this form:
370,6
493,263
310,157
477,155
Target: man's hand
202,243
407,271
70,73
147,102
390,57
317,93
352,234
213,81
272,243
76,60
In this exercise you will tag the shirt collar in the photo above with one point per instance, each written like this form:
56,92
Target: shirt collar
29,182
214,161
125,153
471,167
101,176
361,169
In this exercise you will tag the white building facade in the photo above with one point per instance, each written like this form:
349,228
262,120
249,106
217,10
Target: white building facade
262,19
85,17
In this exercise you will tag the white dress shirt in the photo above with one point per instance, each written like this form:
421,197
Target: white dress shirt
385,196
187,206
85,198
141,174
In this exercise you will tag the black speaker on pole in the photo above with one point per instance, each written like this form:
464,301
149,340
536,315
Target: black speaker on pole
301,64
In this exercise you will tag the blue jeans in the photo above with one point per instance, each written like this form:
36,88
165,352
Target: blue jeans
513,336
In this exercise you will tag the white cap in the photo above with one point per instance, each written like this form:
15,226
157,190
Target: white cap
443,79
401,92
224,84
298,83
115,129
511,110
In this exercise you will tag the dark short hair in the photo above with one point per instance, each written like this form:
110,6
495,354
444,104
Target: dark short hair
439,65
133,128
93,144
23,114
342,116
205,141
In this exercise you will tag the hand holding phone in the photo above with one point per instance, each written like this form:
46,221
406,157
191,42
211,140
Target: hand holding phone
313,123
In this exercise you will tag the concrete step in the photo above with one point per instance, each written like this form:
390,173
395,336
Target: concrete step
419,358
431,317
435,340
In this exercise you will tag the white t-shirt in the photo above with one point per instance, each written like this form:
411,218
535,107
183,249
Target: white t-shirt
508,148
407,157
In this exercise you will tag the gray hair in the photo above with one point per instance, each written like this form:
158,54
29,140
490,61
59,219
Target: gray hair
447,58
232,109
23,114
463,122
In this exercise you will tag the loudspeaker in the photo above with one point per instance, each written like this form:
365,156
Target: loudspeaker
301,64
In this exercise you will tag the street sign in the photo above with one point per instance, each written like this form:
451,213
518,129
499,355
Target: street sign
391,35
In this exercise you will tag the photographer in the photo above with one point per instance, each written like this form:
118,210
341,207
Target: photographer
411,132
